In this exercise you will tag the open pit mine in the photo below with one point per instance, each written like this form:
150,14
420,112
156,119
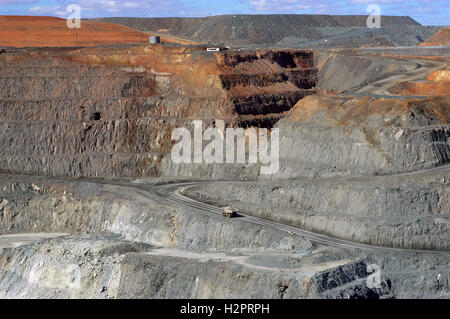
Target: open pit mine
92,204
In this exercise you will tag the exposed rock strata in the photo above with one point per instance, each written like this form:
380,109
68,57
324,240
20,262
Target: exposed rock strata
110,112
334,136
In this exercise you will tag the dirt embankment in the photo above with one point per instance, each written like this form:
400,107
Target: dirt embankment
437,83
441,37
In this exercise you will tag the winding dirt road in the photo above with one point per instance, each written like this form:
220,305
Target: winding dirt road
171,192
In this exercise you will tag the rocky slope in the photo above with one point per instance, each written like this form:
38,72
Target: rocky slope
330,136
286,30
348,72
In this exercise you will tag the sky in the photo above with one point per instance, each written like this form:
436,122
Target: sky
426,12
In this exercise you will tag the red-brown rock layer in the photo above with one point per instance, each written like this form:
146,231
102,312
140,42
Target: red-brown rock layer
35,31
441,37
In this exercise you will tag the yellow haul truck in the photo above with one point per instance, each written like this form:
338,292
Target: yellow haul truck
229,212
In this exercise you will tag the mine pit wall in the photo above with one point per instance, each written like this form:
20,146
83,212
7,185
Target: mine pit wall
326,136
89,208
106,255
109,255
110,112
328,152
101,115
406,213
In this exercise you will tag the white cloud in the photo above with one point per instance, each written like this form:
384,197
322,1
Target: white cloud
343,5
7,2
147,8
422,9
43,10
99,8
277,5
378,1
296,6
